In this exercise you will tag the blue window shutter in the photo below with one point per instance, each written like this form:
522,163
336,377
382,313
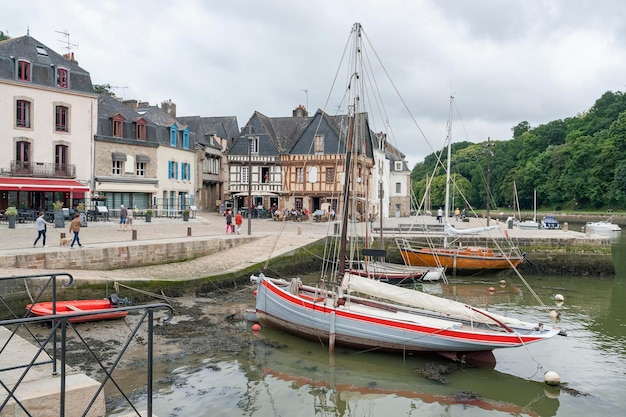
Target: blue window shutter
176,170
169,169
186,139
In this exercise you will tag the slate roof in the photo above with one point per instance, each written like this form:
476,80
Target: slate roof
205,127
42,64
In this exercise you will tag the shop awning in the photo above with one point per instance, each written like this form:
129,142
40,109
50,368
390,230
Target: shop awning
41,184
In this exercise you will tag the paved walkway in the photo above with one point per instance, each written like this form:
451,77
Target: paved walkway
274,238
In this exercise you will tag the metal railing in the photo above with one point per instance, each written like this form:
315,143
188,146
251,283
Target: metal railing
49,342
42,169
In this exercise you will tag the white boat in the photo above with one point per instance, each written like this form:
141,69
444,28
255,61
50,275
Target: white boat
549,222
602,226
526,224
350,310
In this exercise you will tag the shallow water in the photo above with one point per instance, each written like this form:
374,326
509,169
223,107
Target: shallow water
281,375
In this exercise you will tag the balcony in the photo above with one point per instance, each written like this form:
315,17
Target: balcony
41,170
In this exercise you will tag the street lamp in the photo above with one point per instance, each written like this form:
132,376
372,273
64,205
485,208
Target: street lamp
250,139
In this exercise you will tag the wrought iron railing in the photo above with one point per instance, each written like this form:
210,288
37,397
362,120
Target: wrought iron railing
42,169
48,346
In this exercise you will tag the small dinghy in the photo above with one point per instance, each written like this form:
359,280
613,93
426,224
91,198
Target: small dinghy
66,307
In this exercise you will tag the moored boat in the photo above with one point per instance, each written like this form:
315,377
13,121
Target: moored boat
549,222
602,226
107,307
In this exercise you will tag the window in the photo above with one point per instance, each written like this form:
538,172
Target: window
117,168
185,171
253,143
245,175
141,169
61,117
22,157
318,144
330,175
299,204
172,170
62,78
61,156
398,166
398,187
141,129
23,70
118,126
299,174
22,113
173,131
186,139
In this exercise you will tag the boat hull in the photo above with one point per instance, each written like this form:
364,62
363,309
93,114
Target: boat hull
471,259
362,327
66,307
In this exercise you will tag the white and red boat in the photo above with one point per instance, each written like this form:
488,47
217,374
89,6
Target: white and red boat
103,309
350,310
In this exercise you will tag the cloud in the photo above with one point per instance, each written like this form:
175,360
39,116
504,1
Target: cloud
505,62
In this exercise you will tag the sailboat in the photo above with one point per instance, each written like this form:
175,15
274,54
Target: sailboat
453,253
526,224
349,310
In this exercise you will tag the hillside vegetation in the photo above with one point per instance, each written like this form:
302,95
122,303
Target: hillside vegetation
574,164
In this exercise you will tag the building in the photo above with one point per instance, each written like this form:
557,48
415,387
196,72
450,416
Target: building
126,160
49,117
213,135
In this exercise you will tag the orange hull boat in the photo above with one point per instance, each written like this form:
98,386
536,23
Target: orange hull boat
469,258
65,307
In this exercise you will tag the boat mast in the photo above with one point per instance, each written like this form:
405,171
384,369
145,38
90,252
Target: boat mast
353,112
446,212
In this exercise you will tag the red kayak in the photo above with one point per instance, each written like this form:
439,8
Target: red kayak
65,307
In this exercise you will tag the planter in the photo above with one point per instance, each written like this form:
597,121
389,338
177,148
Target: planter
12,220
148,218
185,217
59,219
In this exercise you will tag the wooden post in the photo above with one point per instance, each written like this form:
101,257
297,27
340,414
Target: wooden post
134,234
189,231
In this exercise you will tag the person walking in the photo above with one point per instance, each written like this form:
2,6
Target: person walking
440,215
239,222
129,219
229,221
123,217
41,224
75,228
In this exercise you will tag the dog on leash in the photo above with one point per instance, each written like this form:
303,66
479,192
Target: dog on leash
64,241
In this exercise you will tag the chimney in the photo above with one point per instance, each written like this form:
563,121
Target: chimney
131,103
300,111
169,108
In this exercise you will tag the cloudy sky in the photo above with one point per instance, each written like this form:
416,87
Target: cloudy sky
504,61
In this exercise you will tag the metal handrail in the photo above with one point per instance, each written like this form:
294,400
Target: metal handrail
63,322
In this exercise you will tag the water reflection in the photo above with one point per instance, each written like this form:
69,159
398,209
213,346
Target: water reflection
282,375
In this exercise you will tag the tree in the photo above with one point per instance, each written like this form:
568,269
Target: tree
103,89
3,36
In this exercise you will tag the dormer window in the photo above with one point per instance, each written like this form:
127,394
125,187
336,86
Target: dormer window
62,78
118,126
142,127
173,133
398,166
23,70
186,138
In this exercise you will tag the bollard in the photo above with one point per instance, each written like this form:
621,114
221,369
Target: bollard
189,231
565,227
299,230
134,234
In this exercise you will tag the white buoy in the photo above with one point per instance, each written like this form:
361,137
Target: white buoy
559,297
554,314
552,378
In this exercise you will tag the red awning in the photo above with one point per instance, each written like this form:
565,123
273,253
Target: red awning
41,184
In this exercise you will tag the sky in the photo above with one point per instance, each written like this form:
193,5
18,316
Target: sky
504,61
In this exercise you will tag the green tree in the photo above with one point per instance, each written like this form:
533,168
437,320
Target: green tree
3,36
103,89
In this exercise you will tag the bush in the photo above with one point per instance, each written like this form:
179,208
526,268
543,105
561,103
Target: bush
11,211
57,205
149,212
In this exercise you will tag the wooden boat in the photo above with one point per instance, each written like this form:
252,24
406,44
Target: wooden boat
107,306
452,253
359,312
